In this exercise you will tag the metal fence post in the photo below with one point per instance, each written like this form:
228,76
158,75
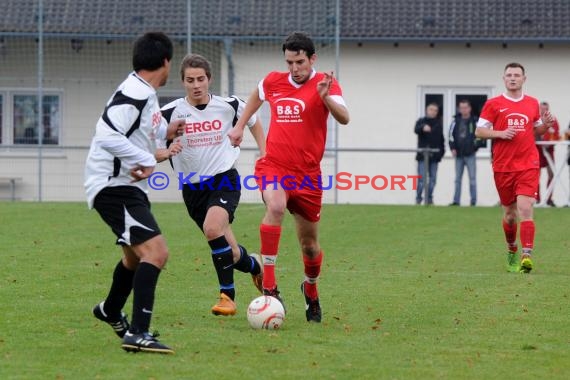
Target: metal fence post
188,26
337,74
426,175
40,96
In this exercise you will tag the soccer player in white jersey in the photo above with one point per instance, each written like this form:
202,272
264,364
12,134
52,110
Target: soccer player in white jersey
121,157
211,188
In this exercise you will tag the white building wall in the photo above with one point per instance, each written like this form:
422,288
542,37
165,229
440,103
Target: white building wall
381,85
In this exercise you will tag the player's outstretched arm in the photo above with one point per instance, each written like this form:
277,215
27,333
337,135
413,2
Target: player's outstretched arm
236,133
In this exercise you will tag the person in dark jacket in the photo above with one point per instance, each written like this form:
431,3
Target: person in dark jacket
430,135
463,145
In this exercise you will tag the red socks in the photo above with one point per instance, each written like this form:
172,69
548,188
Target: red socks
312,271
270,236
511,235
527,235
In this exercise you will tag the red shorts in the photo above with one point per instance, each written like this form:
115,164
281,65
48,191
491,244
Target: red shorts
304,191
511,184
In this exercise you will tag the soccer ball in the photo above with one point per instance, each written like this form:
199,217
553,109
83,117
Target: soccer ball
265,312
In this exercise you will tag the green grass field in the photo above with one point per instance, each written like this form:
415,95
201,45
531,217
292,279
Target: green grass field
407,293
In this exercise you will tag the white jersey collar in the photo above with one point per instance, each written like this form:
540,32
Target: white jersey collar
513,99
134,73
205,105
313,73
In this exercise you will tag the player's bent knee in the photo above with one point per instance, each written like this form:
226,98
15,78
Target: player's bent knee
212,232
310,249
524,208
525,214
158,258
130,261
510,215
510,218
153,251
276,209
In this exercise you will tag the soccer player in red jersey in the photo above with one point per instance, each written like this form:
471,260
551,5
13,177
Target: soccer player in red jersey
512,119
301,101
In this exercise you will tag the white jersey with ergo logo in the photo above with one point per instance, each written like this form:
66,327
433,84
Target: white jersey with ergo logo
207,150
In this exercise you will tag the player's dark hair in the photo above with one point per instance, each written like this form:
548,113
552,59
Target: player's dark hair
195,61
515,65
298,41
464,101
150,51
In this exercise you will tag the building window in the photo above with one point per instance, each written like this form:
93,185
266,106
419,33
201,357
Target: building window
25,118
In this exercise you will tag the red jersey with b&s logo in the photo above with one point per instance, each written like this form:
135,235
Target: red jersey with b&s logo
523,115
298,127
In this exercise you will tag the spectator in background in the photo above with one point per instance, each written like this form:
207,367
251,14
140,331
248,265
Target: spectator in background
430,135
551,134
462,142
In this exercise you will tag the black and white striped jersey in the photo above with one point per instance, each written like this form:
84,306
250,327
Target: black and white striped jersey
125,136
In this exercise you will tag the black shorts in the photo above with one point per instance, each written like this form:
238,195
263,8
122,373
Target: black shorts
222,190
126,210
